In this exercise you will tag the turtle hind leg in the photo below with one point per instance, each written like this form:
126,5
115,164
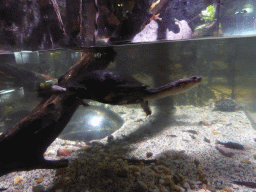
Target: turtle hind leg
145,107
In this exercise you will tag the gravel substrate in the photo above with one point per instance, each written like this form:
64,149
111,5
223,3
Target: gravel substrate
175,141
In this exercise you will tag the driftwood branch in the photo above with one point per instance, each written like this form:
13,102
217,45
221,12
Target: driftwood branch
23,145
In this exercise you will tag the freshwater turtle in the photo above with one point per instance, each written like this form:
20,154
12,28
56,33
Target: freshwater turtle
116,88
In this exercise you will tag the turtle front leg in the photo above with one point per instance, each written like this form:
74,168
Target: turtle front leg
145,107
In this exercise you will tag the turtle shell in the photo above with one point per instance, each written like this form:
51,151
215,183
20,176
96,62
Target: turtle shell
108,87
227,105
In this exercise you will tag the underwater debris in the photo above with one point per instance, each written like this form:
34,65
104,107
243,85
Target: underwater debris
171,135
192,136
225,151
231,145
190,131
204,123
207,140
246,183
197,162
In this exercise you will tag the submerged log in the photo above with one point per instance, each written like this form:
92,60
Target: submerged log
23,145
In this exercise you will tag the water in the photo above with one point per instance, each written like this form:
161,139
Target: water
225,65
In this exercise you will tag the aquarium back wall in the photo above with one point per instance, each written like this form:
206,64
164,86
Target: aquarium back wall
226,65
51,24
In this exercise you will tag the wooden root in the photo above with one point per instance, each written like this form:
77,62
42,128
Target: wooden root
23,145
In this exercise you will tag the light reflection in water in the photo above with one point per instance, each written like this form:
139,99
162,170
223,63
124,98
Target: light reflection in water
95,121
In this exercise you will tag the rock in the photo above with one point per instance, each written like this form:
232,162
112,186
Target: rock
226,105
63,152
149,33
184,33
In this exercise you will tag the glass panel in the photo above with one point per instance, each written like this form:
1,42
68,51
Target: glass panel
191,139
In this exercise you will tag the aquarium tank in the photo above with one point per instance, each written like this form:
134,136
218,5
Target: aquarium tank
127,95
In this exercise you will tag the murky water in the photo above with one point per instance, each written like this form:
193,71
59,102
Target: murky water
226,66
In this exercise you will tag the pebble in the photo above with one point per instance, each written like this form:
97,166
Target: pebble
137,170
18,180
220,186
63,152
149,154
186,186
40,180
182,189
211,188
227,189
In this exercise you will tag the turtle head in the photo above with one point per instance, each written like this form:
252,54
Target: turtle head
175,87
187,83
